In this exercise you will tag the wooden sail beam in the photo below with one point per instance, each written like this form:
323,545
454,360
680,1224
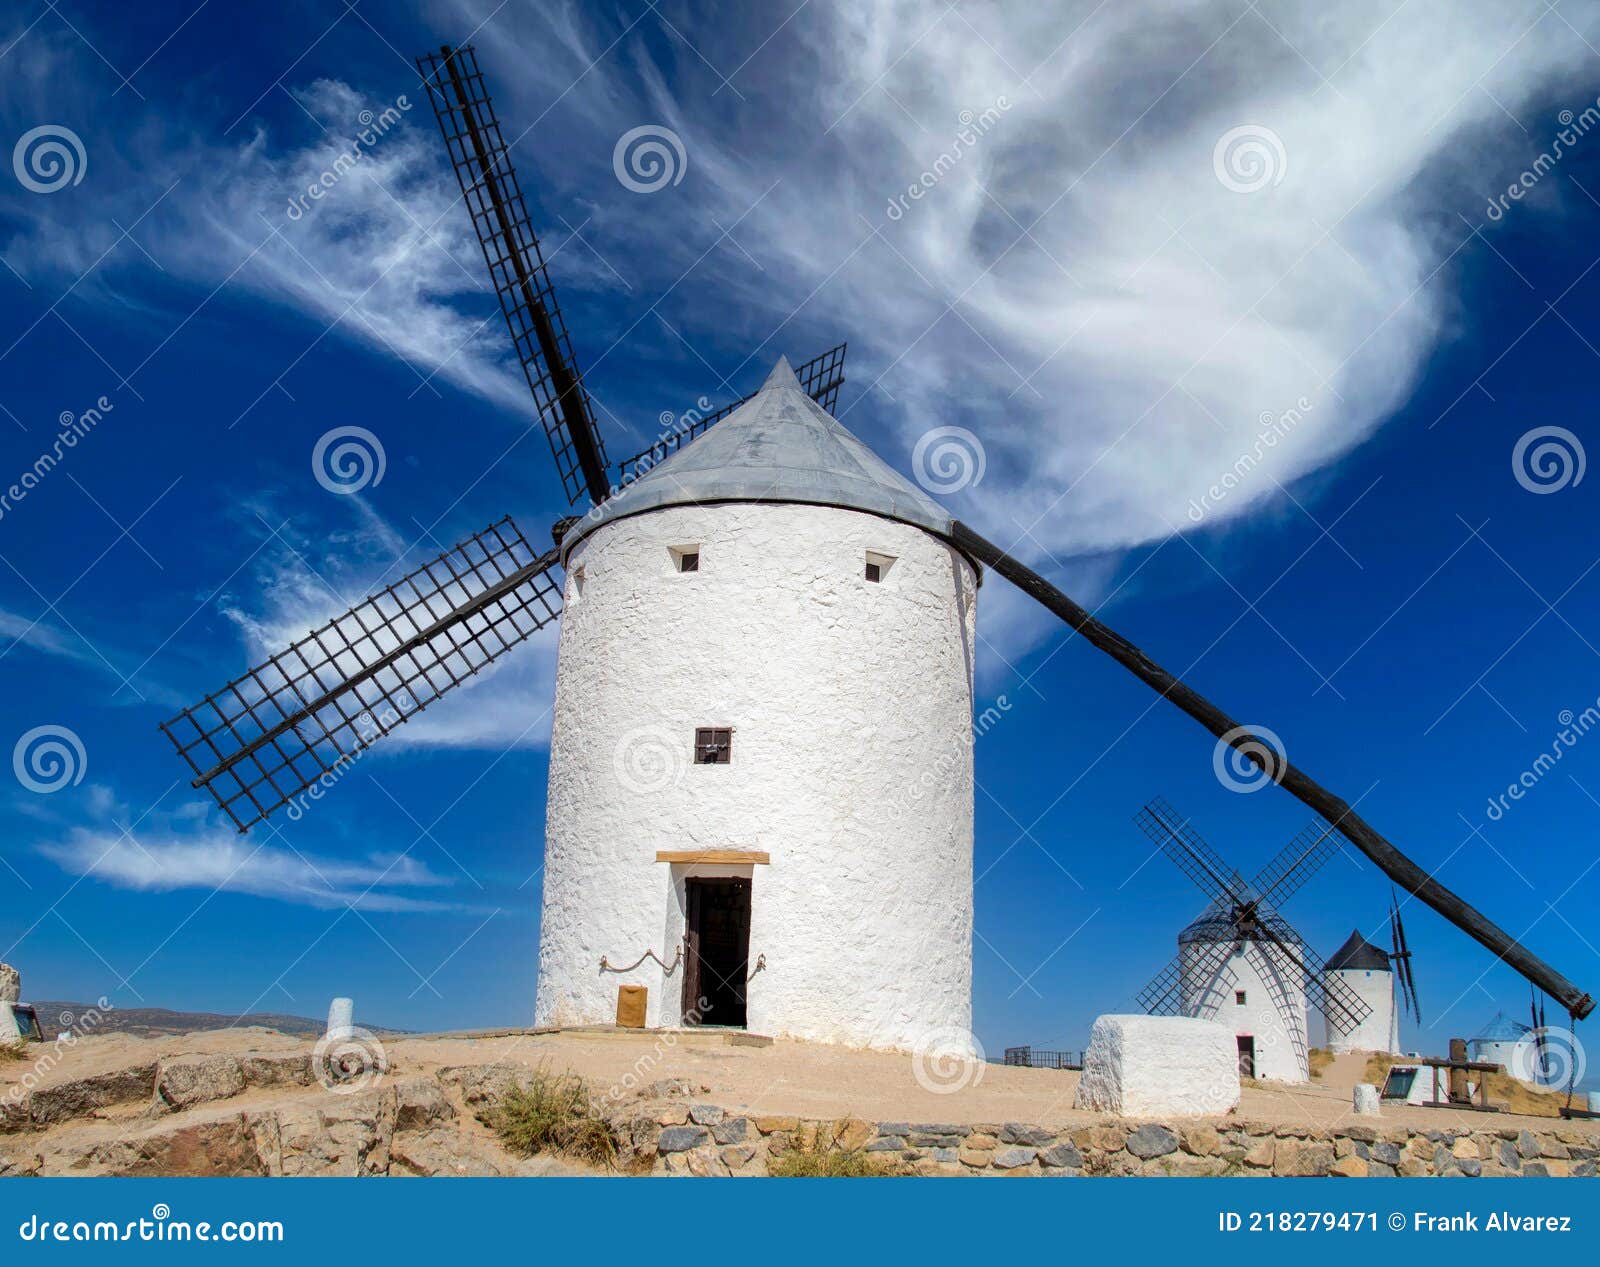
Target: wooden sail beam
1399,868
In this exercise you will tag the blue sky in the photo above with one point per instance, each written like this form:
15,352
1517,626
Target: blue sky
1097,282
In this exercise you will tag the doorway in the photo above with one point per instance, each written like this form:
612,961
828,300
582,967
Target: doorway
717,938
1247,1056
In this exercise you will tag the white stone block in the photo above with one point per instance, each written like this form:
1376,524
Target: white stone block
1159,1066
10,984
10,1031
1365,1099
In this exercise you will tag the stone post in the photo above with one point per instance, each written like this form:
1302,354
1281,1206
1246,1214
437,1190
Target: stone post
10,992
341,1018
1366,1098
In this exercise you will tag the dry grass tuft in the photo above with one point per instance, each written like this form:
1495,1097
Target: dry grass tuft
1319,1058
553,1113
821,1154
13,1051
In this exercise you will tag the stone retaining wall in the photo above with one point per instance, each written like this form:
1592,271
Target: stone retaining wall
703,1139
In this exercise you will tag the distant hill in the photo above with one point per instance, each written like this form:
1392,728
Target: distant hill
149,1021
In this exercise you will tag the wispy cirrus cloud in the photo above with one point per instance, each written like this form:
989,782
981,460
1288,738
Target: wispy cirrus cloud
221,860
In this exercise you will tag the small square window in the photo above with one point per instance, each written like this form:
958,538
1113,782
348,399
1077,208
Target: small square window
577,585
685,558
874,572
713,746
1238,997
878,566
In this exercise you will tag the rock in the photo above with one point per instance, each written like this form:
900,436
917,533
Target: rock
1062,1155
1261,1153
1549,1146
1505,1153
183,1083
440,1153
705,1114
705,1165
1412,1168
983,1141
737,1156
1011,1158
1302,1158
1365,1099
10,984
482,1085
1527,1144
672,1117
1159,1066
886,1144
767,1125
1466,1146
420,1103
276,1069
853,1133
1202,1141
1106,1139
1470,1166
946,1154
731,1130
1186,1164
1362,1134
1351,1167
82,1096
1151,1140
940,1128
216,1145
1019,1133
339,1134
678,1139
978,1158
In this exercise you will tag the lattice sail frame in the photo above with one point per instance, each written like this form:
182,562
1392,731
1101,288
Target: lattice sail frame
308,711
820,378
481,160
1226,889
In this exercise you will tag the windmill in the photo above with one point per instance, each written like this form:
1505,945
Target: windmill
301,716
1241,963
306,712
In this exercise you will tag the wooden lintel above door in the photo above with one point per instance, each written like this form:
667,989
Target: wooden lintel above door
735,857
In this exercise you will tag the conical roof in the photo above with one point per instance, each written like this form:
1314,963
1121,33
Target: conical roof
779,446
1358,952
1501,1029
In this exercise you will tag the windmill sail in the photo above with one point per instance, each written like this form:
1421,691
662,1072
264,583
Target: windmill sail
820,378
1399,868
308,711
1401,958
482,163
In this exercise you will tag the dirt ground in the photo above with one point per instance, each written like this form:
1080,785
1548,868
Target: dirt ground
783,1078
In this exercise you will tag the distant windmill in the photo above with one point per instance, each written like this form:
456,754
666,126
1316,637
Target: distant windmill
1241,963
301,716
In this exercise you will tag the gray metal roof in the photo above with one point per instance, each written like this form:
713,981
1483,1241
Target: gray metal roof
780,446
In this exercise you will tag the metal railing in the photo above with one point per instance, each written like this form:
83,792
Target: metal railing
1034,1059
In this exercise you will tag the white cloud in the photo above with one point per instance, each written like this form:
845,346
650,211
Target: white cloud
219,859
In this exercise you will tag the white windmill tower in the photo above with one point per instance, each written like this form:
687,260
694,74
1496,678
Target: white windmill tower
766,651
1240,963
1368,972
